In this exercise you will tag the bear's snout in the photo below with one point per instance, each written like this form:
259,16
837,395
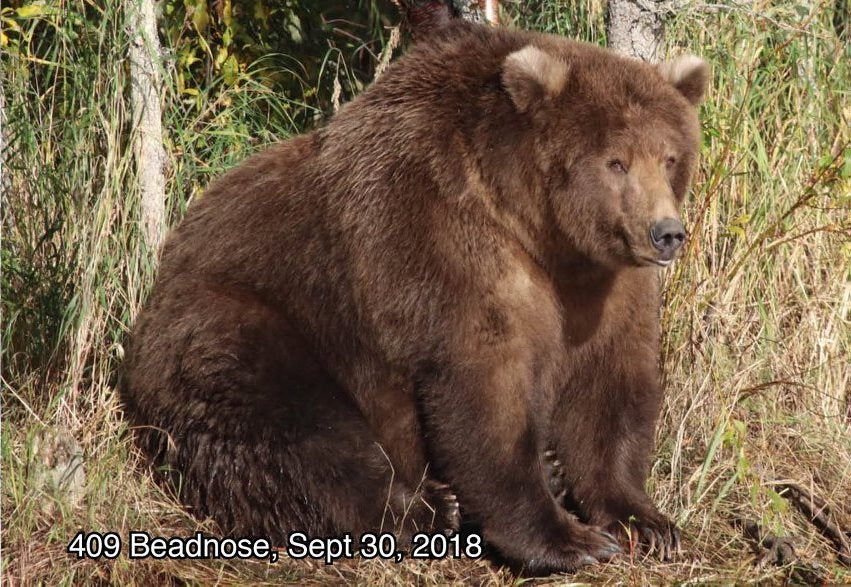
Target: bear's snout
667,236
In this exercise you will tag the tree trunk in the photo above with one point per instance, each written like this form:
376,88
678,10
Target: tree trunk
478,10
4,175
637,27
147,117
422,17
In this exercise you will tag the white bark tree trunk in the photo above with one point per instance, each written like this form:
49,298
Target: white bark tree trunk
145,85
422,17
4,176
637,27
478,10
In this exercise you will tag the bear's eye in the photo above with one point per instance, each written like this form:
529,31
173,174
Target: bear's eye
617,166
670,162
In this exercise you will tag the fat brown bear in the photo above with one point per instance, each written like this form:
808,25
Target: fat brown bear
452,279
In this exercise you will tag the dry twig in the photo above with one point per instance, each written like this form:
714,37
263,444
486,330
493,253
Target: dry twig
818,512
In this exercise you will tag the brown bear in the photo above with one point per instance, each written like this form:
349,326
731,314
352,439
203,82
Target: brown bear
454,276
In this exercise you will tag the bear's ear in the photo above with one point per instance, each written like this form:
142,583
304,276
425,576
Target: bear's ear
689,74
530,74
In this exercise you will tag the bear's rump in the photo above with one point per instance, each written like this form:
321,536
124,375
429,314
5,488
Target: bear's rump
253,430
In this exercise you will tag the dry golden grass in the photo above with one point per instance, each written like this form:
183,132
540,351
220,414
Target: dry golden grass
756,351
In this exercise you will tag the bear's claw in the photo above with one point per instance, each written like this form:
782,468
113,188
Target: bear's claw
660,538
447,511
554,472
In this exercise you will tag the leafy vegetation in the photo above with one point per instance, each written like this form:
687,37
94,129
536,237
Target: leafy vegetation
757,315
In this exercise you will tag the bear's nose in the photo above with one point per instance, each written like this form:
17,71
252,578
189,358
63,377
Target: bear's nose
667,235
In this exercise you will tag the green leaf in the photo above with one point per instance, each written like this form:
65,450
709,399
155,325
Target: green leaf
778,504
845,172
230,70
221,56
295,33
738,231
10,23
200,17
31,10
737,225
227,13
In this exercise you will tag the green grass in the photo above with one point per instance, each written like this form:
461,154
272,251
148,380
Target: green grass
757,335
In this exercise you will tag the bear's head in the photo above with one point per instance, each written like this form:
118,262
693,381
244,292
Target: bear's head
613,143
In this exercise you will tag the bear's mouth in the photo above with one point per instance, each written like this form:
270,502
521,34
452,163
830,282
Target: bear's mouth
657,260
643,255
664,258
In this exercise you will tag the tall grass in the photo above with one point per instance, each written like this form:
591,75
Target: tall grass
757,342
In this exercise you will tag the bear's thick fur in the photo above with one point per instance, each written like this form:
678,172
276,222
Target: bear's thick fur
454,275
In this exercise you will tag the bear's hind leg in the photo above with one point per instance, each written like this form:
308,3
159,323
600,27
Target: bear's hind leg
256,434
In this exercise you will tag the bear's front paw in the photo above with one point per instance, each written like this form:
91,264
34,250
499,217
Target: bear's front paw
652,534
594,541
577,545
